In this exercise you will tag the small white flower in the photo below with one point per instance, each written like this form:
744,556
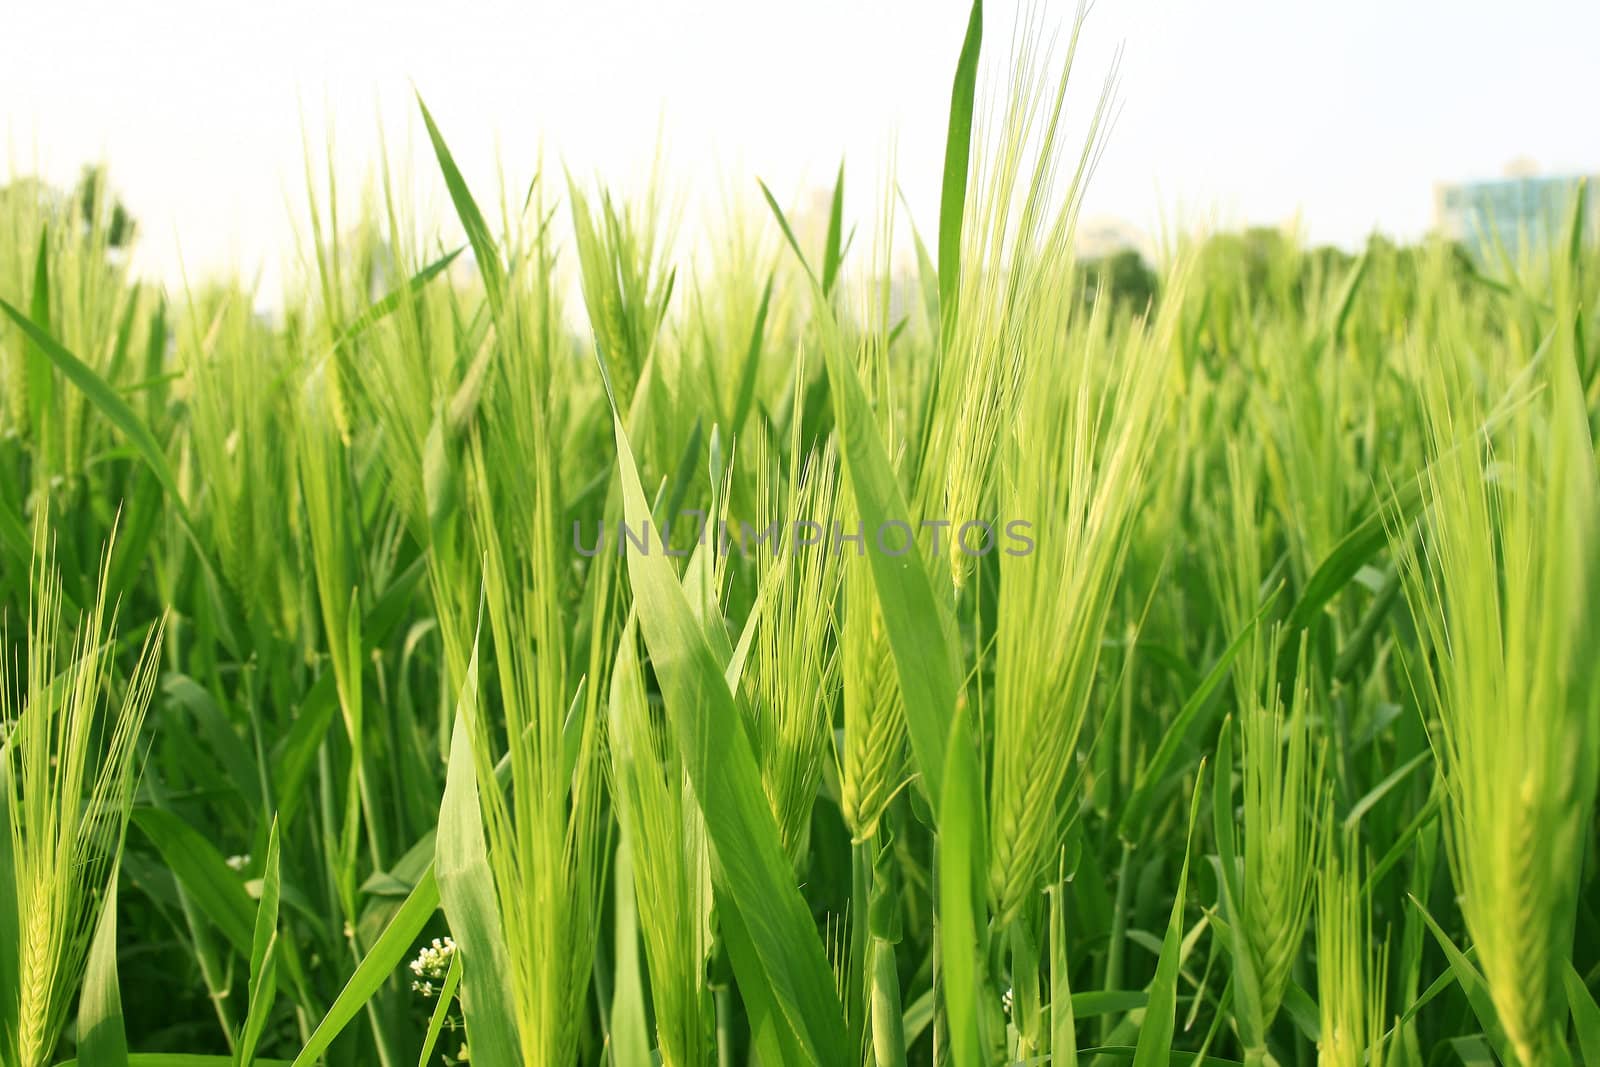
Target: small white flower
432,964
239,863
1007,1000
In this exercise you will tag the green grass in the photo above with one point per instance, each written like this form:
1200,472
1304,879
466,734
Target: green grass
1273,739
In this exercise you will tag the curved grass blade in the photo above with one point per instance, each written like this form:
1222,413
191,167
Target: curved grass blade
1472,983
1131,825
102,1038
484,249
1160,1019
263,954
788,231
963,860
110,404
377,967
107,399
1246,983
1353,552
40,379
1371,798
447,995
213,726
628,1032
747,374
203,873
784,951
915,617
957,152
1063,1010
466,887
385,305
832,249
1585,1015
293,757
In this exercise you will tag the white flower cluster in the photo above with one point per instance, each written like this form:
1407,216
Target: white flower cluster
432,964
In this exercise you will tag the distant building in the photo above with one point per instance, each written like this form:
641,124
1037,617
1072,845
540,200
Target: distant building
1522,212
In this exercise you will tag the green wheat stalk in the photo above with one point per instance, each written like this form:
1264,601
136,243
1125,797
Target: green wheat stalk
68,761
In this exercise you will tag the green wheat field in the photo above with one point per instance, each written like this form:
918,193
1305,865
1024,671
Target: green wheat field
844,645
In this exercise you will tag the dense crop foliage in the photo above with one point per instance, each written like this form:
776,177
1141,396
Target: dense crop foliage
820,646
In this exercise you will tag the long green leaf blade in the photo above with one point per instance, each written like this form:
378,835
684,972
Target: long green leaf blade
786,953
484,248
915,617
1160,1018
102,1038
466,886
263,983
957,151
376,968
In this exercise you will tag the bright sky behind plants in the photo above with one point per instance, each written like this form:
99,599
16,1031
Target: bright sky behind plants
1246,109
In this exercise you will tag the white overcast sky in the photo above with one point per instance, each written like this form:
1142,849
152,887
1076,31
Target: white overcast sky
1243,110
